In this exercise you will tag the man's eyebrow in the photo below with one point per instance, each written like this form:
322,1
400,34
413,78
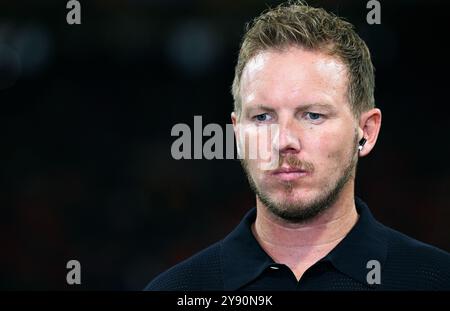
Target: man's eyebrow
326,106
260,107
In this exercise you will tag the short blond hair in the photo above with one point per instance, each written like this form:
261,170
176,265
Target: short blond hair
314,29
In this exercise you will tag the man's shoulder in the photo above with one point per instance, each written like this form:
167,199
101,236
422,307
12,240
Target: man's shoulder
407,245
426,265
202,271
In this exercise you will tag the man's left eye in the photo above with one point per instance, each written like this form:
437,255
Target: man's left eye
314,116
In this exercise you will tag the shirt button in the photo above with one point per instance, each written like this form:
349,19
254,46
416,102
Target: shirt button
274,267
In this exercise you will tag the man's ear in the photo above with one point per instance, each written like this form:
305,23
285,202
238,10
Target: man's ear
234,118
369,128
234,121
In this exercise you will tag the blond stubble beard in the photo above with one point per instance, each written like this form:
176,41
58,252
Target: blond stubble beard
304,212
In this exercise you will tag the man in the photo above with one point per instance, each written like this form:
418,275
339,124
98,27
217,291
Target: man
308,73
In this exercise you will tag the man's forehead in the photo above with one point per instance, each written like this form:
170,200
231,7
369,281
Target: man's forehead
313,75
293,58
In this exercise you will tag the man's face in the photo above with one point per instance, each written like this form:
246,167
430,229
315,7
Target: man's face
303,93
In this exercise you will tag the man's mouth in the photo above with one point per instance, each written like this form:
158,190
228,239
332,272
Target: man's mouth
289,173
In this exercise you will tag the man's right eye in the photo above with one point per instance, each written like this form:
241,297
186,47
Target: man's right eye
263,117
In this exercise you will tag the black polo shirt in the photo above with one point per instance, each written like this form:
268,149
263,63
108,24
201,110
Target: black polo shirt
371,256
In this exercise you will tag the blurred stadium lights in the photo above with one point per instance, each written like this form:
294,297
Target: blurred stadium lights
193,46
25,51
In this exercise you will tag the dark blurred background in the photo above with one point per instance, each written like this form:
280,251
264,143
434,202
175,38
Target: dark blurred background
87,111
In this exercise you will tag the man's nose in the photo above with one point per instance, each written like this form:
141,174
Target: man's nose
288,138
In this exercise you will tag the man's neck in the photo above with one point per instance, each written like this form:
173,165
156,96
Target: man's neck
301,245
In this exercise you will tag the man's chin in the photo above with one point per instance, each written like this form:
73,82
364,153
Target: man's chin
290,191
293,198
294,211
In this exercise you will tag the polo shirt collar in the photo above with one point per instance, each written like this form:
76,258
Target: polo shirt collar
366,241
244,260
242,257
